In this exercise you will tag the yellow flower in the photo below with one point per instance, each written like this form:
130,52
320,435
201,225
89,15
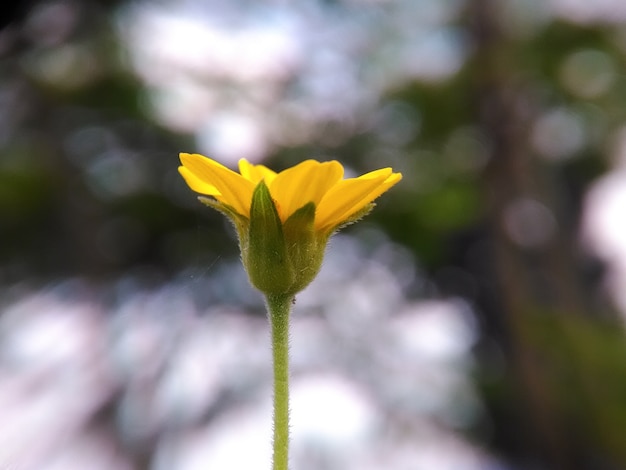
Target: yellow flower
287,216
336,199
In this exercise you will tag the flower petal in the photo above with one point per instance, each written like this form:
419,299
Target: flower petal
351,195
234,189
306,182
256,173
196,184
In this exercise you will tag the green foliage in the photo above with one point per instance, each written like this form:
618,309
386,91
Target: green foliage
583,363
543,53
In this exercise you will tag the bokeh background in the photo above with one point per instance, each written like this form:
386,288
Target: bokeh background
473,321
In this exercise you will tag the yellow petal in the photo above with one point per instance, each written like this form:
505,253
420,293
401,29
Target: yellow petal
196,184
306,182
234,189
256,173
351,195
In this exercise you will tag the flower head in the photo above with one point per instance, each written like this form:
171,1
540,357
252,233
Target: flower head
284,219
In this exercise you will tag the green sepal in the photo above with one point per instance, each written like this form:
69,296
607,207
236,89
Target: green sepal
304,246
240,222
265,257
354,218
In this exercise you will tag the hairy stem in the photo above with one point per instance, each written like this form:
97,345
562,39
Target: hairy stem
279,307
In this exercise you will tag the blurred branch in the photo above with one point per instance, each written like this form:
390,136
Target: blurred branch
537,277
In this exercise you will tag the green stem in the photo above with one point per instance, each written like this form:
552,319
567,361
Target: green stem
279,307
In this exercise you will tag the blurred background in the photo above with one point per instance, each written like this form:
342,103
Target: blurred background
473,321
